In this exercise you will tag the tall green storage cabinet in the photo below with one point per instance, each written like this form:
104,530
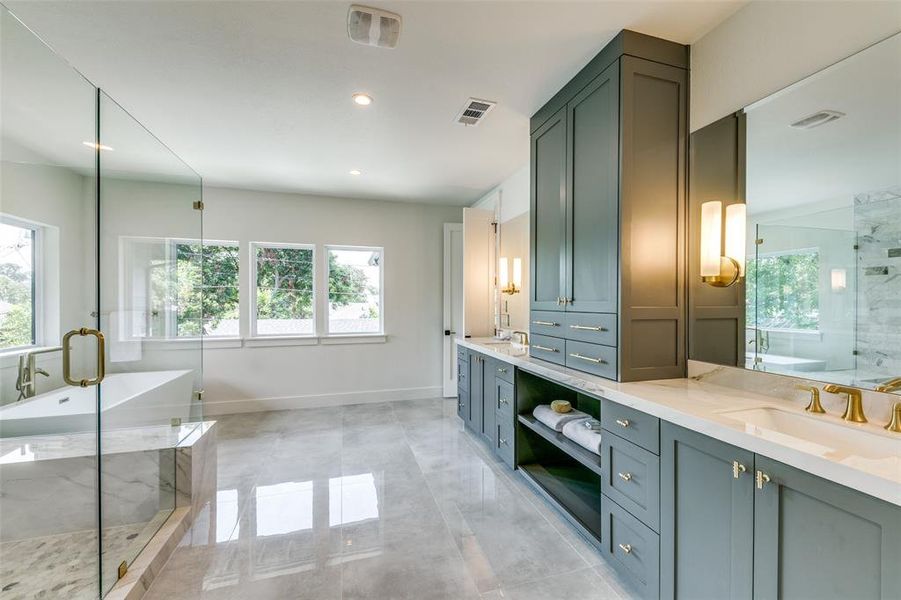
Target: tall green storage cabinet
608,193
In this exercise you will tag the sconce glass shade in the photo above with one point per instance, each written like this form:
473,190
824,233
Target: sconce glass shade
839,280
503,276
517,273
736,235
711,238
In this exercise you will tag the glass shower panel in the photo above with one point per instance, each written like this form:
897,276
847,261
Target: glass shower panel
151,310
801,301
48,280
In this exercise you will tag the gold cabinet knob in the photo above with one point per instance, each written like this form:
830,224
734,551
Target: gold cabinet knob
627,548
762,479
625,476
737,469
623,422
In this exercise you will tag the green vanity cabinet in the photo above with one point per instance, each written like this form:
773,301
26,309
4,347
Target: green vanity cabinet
608,193
706,517
817,539
478,402
725,533
548,220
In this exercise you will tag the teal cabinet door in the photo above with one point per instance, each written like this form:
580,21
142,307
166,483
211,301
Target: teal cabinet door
476,392
592,199
706,517
548,216
816,539
489,400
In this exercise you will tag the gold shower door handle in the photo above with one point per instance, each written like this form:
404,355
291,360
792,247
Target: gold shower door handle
67,359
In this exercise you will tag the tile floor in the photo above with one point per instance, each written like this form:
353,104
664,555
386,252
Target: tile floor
376,501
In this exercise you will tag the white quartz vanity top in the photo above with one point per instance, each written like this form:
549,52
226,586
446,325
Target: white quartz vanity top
740,418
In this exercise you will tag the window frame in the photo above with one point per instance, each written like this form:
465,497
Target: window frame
38,317
252,302
170,318
326,320
792,252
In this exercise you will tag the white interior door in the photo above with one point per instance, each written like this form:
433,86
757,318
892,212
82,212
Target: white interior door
453,304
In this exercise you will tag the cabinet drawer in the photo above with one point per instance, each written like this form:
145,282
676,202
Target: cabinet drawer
591,358
504,406
463,405
504,442
461,353
632,548
548,348
631,478
503,371
636,426
597,328
463,375
544,322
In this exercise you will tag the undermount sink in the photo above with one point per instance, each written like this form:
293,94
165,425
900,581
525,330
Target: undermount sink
827,434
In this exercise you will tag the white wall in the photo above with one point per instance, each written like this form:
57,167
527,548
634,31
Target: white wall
512,194
766,46
62,200
407,365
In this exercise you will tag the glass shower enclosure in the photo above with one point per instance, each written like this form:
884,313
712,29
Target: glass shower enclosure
101,326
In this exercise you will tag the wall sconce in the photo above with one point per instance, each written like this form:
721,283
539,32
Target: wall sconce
718,268
839,280
507,286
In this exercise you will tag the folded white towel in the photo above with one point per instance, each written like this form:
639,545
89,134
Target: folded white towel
581,433
555,420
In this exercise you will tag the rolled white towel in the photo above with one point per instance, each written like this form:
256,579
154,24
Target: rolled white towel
555,420
581,432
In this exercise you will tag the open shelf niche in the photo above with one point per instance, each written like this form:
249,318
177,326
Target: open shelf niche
566,474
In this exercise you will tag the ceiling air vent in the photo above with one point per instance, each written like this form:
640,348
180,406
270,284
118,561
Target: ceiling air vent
817,119
373,26
474,110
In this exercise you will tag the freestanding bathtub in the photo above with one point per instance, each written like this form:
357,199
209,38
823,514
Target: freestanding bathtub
126,400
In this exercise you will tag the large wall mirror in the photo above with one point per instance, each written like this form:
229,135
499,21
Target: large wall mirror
818,283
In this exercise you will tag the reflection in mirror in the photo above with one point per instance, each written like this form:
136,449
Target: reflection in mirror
823,177
513,313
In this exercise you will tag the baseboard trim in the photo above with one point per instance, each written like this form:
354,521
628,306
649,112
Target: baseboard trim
227,407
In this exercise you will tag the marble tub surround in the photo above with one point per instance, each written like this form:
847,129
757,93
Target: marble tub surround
700,405
385,500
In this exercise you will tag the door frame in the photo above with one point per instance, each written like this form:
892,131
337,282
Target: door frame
449,350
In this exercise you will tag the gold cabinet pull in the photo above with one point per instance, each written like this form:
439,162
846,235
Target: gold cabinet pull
500,370
761,479
67,357
587,328
625,476
546,323
504,401
597,361
623,422
502,441
545,348
737,469
627,548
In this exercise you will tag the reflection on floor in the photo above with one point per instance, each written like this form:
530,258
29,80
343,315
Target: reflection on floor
65,565
377,501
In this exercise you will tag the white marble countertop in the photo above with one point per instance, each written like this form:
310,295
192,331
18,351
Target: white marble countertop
704,407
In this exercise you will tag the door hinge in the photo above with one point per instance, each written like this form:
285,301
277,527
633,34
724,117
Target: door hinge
198,205
198,395
123,569
759,241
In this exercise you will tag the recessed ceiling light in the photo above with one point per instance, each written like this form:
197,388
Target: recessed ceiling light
97,146
356,172
363,99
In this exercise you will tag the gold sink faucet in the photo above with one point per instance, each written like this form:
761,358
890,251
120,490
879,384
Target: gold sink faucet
892,385
814,405
854,409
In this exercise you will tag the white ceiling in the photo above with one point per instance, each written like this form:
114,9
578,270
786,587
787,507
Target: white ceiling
258,94
826,166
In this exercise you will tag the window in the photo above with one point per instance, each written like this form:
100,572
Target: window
18,297
783,290
354,290
179,288
283,279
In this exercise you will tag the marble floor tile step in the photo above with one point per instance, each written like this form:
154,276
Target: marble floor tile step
384,501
